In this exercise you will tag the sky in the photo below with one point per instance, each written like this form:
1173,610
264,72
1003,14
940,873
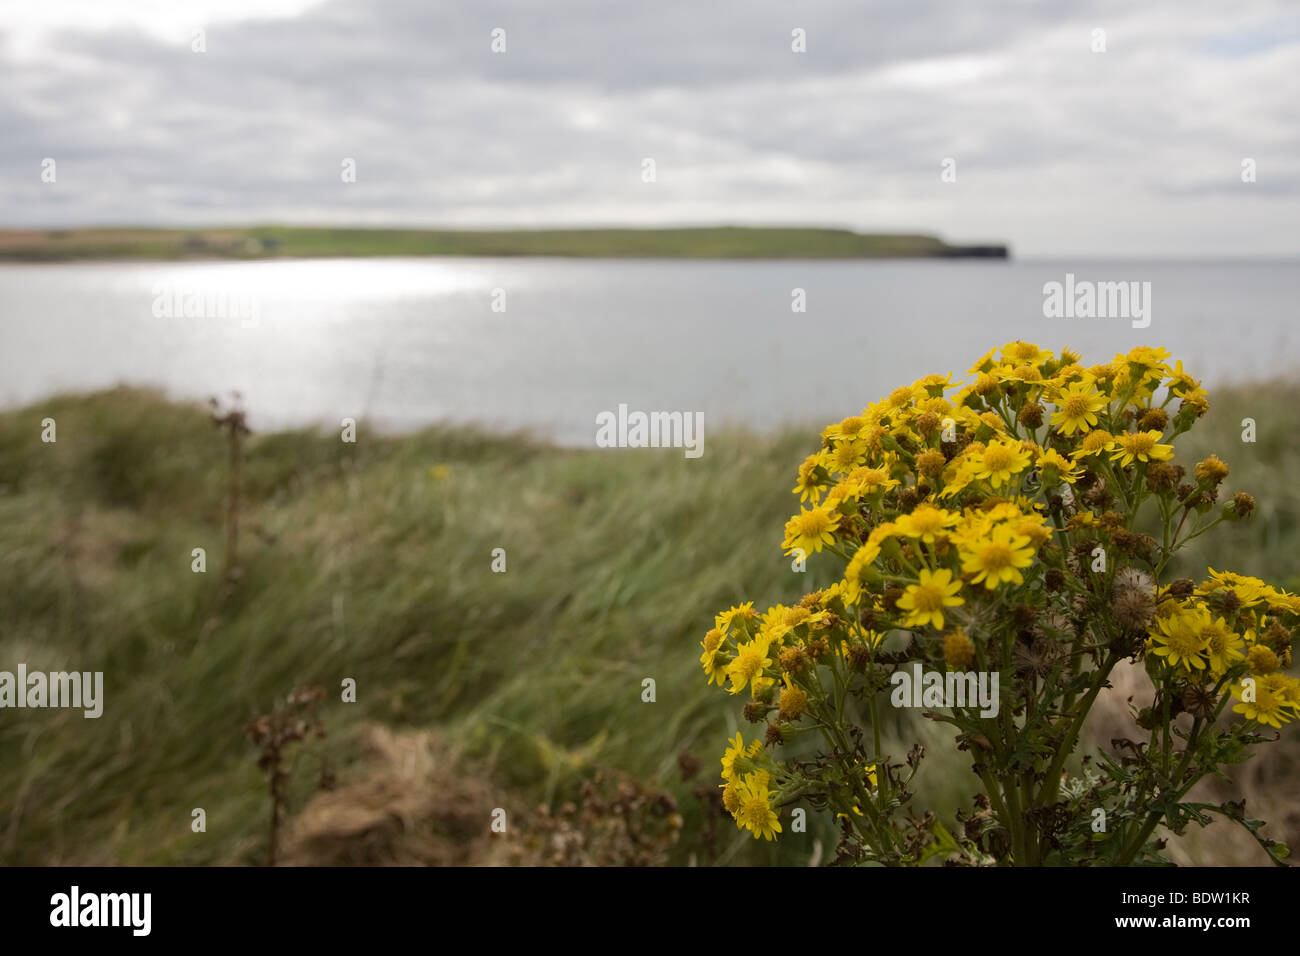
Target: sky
1059,148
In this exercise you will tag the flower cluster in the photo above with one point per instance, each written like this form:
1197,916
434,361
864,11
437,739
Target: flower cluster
1232,625
997,522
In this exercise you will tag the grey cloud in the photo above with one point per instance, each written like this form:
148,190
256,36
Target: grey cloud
444,131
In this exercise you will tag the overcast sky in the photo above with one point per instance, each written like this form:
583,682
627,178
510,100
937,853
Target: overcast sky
1059,150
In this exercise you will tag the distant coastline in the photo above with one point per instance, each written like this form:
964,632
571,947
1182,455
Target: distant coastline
274,242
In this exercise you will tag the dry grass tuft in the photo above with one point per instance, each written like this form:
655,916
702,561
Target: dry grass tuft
413,805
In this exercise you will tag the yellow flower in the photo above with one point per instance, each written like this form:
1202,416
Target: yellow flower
810,482
1182,384
1021,353
925,600
937,405
1034,527
792,702
731,796
810,530
926,522
998,557
781,620
725,619
1249,591
1000,460
1069,371
1269,705
1287,689
984,364
1143,446
935,384
847,455
1223,646
1212,468
1280,602
737,749
754,812
904,395
861,560
1083,519
748,665
1094,443
1056,467
1181,638
1145,365
1076,408
1019,373
1262,660
715,671
1145,355
871,480
849,428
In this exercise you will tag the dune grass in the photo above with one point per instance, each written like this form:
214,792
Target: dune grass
372,561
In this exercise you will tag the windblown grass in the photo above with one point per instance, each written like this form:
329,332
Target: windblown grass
361,561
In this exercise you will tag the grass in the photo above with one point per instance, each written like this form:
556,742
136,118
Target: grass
358,561
723,242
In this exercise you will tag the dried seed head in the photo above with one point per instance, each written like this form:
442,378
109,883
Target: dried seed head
1279,639
756,711
1055,626
1153,419
1134,609
1024,614
1161,476
793,660
1034,659
1031,415
1199,701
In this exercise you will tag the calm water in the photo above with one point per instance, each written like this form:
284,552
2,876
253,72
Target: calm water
405,342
